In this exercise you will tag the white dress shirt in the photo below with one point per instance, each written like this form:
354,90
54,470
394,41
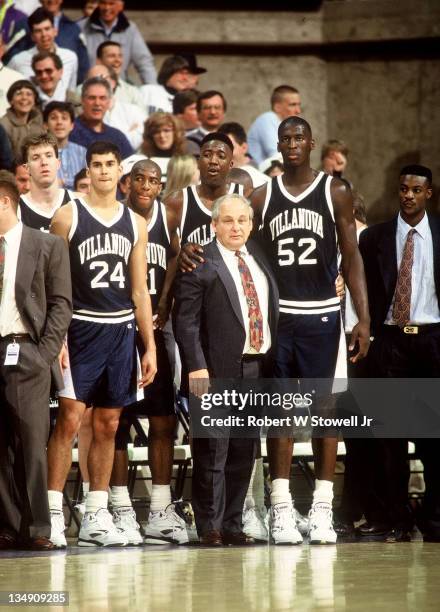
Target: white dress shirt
424,302
23,63
261,287
10,320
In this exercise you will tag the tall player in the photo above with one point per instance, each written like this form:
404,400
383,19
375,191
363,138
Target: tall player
305,215
164,525
107,244
45,196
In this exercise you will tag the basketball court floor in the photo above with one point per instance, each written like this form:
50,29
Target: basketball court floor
347,577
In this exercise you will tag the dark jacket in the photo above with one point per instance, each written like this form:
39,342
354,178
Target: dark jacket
377,245
208,322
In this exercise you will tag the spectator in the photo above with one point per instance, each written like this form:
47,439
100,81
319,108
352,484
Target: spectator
22,176
7,77
48,69
5,150
43,33
108,22
126,117
182,171
22,118
10,21
211,109
272,167
59,119
185,108
68,36
241,159
110,54
334,157
89,7
164,136
263,133
81,182
89,126
27,6
174,76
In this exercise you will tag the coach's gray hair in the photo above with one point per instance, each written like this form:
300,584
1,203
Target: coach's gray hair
96,81
234,197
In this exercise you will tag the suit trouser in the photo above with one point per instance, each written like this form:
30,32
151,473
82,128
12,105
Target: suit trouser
222,469
394,354
24,430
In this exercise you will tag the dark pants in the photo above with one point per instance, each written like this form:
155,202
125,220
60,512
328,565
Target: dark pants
222,469
24,430
394,354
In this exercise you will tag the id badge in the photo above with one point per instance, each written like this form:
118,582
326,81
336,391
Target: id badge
12,352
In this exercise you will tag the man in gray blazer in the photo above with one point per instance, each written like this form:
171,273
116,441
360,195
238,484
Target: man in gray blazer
35,311
226,313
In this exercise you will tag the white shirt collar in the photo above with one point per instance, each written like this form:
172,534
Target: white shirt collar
228,252
14,233
422,228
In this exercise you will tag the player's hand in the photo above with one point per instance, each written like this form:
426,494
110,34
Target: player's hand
360,335
63,358
340,286
198,382
190,257
161,315
148,367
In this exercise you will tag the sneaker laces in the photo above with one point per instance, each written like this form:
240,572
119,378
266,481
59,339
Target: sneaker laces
104,518
129,516
321,514
281,516
177,521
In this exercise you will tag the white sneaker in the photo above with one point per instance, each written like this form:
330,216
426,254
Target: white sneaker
124,520
321,524
57,536
282,523
165,527
302,523
255,523
80,507
97,529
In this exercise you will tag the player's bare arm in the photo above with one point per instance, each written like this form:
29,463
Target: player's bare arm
62,222
142,303
352,265
190,253
165,302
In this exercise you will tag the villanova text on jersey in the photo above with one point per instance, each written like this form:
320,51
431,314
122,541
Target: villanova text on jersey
300,236
99,261
196,217
158,252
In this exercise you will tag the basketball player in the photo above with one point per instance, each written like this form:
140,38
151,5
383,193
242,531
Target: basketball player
45,196
299,212
164,525
107,244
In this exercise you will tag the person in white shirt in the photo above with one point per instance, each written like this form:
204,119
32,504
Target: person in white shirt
110,54
43,33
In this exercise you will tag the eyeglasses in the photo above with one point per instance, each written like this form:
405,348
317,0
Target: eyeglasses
48,71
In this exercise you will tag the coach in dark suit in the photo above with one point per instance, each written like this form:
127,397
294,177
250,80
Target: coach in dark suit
226,314
34,315
402,267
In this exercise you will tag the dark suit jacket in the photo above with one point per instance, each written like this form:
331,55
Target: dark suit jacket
43,293
377,245
208,321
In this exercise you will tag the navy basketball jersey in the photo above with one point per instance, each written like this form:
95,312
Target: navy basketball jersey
158,252
37,219
99,256
196,218
300,237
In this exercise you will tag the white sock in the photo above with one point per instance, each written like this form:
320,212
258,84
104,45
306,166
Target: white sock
55,500
160,497
120,498
255,492
280,491
96,500
85,488
323,492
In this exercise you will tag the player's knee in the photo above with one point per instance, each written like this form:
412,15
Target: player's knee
162,428
68,424
106,426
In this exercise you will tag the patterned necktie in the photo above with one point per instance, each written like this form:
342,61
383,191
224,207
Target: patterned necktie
402,295
255,316
2,262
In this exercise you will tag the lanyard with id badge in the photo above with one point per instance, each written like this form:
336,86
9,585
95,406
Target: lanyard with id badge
12,352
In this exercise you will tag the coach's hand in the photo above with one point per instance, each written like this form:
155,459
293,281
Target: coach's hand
360,335
148,368
189,257
198,382
63,358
